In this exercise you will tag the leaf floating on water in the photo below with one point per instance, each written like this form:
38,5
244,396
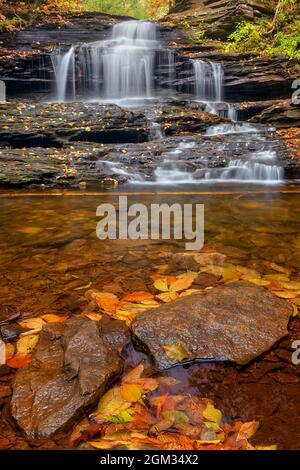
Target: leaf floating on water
176,352
26,344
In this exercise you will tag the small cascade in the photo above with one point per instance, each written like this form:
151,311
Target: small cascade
209,88
173,170
239,171
120,68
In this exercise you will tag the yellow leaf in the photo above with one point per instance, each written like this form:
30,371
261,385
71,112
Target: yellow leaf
183,282
176,352
258,282
52,318
188,292
9,350
112,403
212,425
131,392
292,285
32,323
286,294
161,284
266,447
276,277
93,316
26,344
168,296
212,414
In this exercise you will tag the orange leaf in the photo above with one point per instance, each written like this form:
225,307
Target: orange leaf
131,392
19,360
138,296
106,301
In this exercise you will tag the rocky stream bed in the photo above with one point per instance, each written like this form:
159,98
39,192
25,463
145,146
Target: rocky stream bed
92,324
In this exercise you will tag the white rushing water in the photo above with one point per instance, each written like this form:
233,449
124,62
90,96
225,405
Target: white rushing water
116,69
209,88
128,69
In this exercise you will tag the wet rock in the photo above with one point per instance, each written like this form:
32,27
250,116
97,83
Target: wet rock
52,125
218,19
72,365
235,322
281,114
178,120
205,280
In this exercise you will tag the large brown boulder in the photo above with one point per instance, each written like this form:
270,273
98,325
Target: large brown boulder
235,322
72,365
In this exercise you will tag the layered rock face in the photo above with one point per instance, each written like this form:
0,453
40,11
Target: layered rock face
219,18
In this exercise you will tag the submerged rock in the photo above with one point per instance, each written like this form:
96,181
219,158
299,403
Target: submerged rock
72,365
235,322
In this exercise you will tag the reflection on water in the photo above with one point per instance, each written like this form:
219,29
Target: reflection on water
50,252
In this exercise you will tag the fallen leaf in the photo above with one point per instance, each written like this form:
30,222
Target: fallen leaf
161,285
247,430
19,360
212,414
131,392
168,296
9,350
176,352
52,318
93,316
112,403
138,296
183,281
106,301
32,323
26,344
123,417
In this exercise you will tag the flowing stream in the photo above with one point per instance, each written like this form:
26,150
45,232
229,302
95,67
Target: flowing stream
126,69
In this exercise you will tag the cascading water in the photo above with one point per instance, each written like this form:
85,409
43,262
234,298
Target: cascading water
129,69
115,69
209,88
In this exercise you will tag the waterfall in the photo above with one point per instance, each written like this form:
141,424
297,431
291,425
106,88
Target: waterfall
63,65
246,171
209,88
118,68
